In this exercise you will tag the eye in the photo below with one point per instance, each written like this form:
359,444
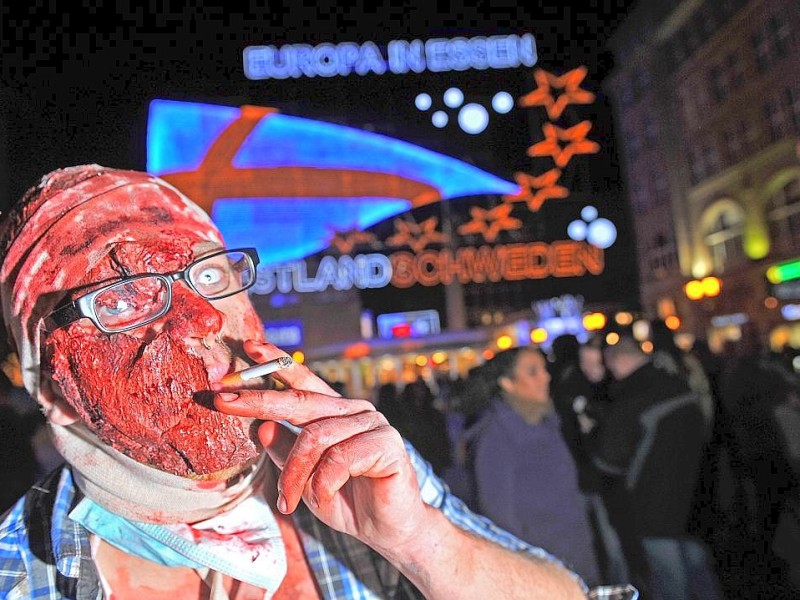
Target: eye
121,307
209,276
211,279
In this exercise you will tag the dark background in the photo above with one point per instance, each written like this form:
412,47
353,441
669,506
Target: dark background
76,81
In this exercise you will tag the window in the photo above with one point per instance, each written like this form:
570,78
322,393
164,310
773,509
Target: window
650,130
776,118
718,79
783,213
689,106
792,100
735,68
661,256
734,143
661,185
771,42
697,164
724,239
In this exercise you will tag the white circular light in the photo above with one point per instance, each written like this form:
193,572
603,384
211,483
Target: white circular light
423,101
602,233
502,102
439,119
577,230
473,118
453,97
589,213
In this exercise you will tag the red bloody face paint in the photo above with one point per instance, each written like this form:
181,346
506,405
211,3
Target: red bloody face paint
142,391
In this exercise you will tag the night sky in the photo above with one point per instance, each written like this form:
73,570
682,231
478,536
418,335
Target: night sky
76,84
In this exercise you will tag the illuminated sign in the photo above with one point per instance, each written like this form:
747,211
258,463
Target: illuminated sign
346,58
362,272
732,319
286,334
787,271
418,323
791,312
559,316
296,187
789,290
467,264
297,181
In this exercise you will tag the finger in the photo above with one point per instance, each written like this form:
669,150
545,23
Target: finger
296,376
299,407
313,442
277,441
378,453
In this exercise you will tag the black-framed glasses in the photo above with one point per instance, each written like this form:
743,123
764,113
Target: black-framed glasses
141,299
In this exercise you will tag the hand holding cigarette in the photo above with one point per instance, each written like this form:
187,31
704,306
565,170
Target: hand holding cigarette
257,371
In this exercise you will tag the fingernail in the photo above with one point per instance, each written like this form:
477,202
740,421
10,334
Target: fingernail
228,397
282,506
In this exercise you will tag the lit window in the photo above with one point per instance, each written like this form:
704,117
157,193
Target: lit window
783,212
724,239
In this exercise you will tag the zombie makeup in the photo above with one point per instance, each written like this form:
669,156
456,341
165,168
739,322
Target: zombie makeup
140,391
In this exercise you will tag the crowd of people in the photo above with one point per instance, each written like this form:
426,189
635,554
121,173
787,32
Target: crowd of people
674,469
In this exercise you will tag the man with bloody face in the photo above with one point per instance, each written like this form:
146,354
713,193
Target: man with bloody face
125,311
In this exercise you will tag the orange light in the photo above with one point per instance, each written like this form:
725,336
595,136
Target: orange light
623,318
594,321
488,354
539,335
357,350
647,346
504,342
672,322
612,338
438,357
298,357
693,290
771,302
712,286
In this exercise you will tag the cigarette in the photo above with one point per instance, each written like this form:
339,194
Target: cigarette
257,371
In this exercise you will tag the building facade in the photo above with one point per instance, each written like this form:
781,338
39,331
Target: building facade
706,96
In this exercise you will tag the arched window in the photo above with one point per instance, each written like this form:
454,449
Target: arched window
783,213
724,239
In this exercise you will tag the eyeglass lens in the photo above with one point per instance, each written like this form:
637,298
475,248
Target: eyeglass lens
137,301
221,275
131,302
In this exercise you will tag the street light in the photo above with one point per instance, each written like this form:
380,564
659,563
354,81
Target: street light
708,287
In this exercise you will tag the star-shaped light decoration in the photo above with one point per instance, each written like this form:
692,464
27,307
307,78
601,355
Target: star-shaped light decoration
546,83
417,236
535,190
575,138
490,223
346,241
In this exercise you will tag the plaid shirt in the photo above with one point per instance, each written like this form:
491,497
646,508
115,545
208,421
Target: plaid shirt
46,555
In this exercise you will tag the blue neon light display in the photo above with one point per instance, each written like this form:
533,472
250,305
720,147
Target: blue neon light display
287,226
